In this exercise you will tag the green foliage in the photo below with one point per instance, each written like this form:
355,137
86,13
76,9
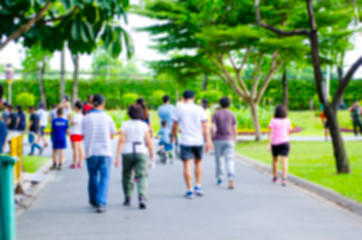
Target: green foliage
157,98
25,100
212,96
35,59
129,98
244,119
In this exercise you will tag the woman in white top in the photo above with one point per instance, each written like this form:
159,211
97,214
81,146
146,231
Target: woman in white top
75,135
134,143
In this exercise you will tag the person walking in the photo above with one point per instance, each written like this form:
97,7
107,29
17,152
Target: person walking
133,143
76,136
21,123
88,105
165,113
59,139
146,115
225,128
34,127
98,130
5,114
355,115
65,104
194,128
43,116
12,120
278,142
53,113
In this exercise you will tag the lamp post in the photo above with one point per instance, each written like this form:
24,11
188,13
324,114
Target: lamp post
9,75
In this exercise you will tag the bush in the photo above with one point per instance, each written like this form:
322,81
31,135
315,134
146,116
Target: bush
25,100
245,121
157,98
129,98
212,96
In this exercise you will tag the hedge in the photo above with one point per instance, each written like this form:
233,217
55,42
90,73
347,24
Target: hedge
300,91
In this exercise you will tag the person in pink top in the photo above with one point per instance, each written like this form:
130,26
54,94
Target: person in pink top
278,143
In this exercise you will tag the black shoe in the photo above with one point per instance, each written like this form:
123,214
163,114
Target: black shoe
94,204
143,203
101,209
59,167
127,202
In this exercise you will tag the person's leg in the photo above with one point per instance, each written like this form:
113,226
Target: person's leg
141,174
187,174
54,157
229,150
103,184
198,171
80,154
74,148
285,166
127,183
218,155
92,167
61,156
275,166
355,126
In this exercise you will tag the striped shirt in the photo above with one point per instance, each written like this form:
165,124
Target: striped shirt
97,128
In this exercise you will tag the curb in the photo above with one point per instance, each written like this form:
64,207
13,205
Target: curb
323,192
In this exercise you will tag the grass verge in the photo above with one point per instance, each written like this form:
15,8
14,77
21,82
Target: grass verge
32,163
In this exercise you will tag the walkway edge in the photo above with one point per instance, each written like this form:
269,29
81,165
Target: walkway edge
321,191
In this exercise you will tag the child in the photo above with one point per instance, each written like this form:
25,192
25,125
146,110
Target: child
59,132
76,136
278,143
165,135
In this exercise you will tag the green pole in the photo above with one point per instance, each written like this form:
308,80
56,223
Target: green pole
7,199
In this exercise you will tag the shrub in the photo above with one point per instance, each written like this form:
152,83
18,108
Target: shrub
213,96
25,100
157,97
245,121
129,98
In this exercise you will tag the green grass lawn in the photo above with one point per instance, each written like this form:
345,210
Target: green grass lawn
314,161
32,163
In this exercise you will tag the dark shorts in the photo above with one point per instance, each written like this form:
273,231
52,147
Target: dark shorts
42,133
191,152
281,149
59,144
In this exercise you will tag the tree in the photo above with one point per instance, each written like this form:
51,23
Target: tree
36,61
75,60
331,16
220,38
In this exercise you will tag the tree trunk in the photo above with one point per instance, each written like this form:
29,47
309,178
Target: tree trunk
285,88
62,74
340,155
255,118
342,162
75,59
340,79
41,84
204,83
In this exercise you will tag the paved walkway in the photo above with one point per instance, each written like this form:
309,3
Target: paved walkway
256,209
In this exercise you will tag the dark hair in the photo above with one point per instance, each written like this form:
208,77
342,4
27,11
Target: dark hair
204,103
79,105
135,112
166,98
142,103
224,102
98,99
41,105
5,104
164,123
188,94
31,108
10,107
60,111
90,98
66,97
281,111
19,108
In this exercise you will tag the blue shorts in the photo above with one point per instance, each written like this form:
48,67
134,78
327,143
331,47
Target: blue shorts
168,146
42,133
191,152
59,144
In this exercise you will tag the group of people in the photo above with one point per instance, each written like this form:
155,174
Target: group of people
92,128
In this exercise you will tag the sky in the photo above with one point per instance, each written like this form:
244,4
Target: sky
14,53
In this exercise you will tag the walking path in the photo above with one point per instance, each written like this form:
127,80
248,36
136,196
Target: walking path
256,209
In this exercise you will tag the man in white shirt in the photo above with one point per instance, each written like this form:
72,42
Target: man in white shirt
194,127
43,117
98,129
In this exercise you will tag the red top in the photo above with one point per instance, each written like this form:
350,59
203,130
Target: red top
87,107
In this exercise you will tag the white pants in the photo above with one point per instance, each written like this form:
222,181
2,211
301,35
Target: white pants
226,149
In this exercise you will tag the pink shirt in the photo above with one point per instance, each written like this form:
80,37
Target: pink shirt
281,128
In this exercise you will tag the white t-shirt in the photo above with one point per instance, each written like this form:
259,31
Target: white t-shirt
135,131
43,117
77,124
96,128
190,118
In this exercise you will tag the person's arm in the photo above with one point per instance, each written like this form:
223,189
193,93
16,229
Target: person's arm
30,124
17,120
113,129
235,132
206,132
270,139
150,147
121,141
174,131
150,126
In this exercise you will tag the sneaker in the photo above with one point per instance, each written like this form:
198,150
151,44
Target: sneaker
231,185
143,203
94,204
198,191
79,165
127,202
101,209
72,166
54,167
59,167
284,182
31,154
189,194
219,182
275,180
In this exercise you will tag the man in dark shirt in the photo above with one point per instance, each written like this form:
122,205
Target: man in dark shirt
355,113
2,124
34,126
12,119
